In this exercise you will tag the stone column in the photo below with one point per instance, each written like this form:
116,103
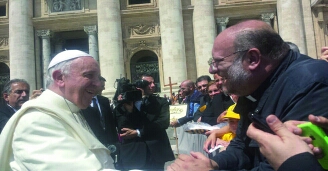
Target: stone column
267,17
46,51
172,37
222,23
21,41
291,24
110,43
93,43
204,33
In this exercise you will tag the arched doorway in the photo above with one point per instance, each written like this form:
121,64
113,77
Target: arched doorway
4,76
145,61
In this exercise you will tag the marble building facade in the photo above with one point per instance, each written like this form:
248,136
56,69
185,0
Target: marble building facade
167,38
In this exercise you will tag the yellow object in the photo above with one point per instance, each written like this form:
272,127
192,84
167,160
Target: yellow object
228,136
231,113
201,109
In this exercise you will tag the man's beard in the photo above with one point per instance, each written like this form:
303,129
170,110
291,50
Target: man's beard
237,80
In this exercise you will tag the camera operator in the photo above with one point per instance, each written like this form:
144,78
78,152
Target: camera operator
142,126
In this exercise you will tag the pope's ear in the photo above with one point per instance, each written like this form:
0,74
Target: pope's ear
58,77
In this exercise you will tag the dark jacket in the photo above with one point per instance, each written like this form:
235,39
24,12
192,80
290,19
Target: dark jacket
5,114
193,103
214,107
303,161
152,121
107,136
297,88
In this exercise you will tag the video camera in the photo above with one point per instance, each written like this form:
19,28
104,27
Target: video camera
129,91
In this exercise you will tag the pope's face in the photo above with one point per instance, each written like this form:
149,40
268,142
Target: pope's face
82,83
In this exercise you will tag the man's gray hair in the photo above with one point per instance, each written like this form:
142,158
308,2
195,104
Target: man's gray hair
7,87
267,41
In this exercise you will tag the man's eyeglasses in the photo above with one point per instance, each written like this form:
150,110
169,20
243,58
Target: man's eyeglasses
214,62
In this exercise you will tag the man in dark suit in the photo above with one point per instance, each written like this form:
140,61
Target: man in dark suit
15,93
101,121
142,126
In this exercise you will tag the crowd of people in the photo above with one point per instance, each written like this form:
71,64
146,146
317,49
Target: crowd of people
71,126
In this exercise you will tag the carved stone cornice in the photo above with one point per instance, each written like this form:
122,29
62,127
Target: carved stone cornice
44,33
133,47
4,42
90,29
143,30
65,5
222,21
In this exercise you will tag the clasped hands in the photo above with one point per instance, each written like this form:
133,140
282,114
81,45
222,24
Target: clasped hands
128,133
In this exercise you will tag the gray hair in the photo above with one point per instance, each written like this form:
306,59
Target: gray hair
270,44
64,67
7,86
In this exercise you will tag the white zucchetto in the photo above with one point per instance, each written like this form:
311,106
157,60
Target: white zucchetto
67,55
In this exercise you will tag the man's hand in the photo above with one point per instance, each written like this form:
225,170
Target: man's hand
221,117
36,93
222,142
210,141
195,162
212,135
174,123
277,148
323,123
324,53
318,120
128,133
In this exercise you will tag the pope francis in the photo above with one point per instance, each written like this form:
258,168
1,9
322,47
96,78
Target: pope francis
49,133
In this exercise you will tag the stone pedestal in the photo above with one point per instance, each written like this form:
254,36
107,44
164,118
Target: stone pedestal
110,42
172,36
204,33
291,24
92,38
46,52
21,38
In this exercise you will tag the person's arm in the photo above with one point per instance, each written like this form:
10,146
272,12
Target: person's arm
302,161
280,148
213,135
46,140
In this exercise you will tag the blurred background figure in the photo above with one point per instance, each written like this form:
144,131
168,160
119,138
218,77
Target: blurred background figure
15,93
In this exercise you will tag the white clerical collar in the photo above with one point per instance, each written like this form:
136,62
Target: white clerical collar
251,98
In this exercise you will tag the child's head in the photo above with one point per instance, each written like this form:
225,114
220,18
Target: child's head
233,118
